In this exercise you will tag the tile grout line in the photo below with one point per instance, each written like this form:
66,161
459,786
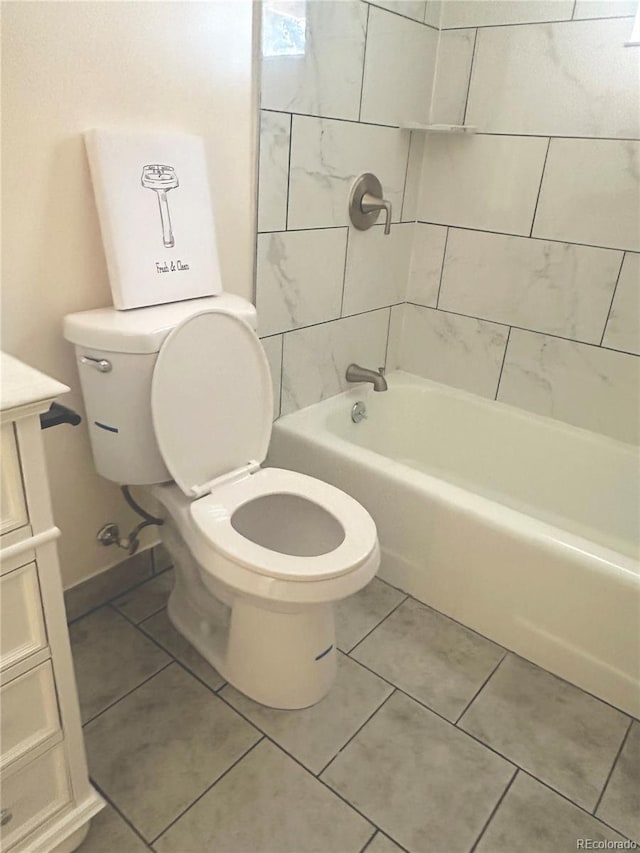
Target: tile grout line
281,375
386,349
504,358
567,799
477,133
384,618
613,296
128,693
480,689
286,213
406,177
400,15
283,749
538,23
473,56
444,255
208,788
176,659
363,849
525,236
495,809
535,208
521,328
355,734
395,689
112,598
113,805
364,61
613,766
344,271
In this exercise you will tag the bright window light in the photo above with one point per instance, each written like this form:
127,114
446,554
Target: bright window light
634,41
284,25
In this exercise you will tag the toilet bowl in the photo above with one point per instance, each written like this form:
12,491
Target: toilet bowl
274,637
261,554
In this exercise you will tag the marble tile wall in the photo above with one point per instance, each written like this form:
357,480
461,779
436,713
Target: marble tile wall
524,282
330,111
532,225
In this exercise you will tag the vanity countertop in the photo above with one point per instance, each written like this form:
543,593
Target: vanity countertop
21,385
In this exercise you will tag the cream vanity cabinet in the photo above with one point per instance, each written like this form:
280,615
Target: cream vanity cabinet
46,800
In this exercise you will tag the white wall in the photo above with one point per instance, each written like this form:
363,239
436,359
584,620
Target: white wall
67,67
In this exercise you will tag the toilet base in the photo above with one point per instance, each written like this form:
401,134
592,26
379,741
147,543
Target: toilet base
282,660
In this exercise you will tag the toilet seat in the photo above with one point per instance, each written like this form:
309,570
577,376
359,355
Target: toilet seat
213,513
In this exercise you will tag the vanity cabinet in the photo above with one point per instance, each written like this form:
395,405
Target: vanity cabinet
46,800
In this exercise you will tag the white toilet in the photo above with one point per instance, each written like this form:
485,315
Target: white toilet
182,392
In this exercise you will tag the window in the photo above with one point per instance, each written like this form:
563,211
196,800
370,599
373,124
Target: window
284,24
634,41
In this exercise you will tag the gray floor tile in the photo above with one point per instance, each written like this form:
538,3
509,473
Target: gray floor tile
418,778
161,559
147,599
96,591
109,833
268,804
111,657
559,733
429,656
360,613
533,819
620,805
159,748
382,844
160,628
314,735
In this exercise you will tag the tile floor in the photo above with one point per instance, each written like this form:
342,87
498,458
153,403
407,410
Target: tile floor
432,739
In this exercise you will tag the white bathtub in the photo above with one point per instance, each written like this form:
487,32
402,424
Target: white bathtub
521,527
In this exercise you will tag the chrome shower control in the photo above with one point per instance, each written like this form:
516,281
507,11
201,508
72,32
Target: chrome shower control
358,412
366,202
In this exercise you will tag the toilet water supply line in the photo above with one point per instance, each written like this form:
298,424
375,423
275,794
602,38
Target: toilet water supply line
110,533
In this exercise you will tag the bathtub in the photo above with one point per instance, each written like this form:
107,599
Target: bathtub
521,527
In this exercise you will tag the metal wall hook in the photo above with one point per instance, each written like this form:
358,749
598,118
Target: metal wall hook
366,202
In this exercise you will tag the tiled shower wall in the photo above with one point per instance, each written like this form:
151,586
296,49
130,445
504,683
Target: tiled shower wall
324,290
530,229
512,269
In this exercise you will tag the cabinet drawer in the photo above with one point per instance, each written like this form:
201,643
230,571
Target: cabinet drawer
29,712
14,510
22,629
32,794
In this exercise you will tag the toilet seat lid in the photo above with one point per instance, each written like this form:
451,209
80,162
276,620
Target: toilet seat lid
211,399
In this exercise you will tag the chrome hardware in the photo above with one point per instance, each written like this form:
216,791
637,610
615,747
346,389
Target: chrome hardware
366,202
355,373
358,412
100,364
108,535
5,816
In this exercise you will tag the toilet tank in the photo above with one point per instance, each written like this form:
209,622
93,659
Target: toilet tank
116,352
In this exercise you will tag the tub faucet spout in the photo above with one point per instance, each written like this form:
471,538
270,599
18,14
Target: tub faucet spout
355,373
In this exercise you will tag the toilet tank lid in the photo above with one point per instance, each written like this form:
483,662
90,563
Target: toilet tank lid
143,330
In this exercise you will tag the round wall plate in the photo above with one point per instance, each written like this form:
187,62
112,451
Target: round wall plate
366,183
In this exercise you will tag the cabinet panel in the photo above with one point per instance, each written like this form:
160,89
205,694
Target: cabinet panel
32,794
22,629
29,712
13,510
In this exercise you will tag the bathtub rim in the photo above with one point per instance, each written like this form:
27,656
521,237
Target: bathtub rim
306,425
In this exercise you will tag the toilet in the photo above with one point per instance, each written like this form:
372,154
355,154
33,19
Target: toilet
179,399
